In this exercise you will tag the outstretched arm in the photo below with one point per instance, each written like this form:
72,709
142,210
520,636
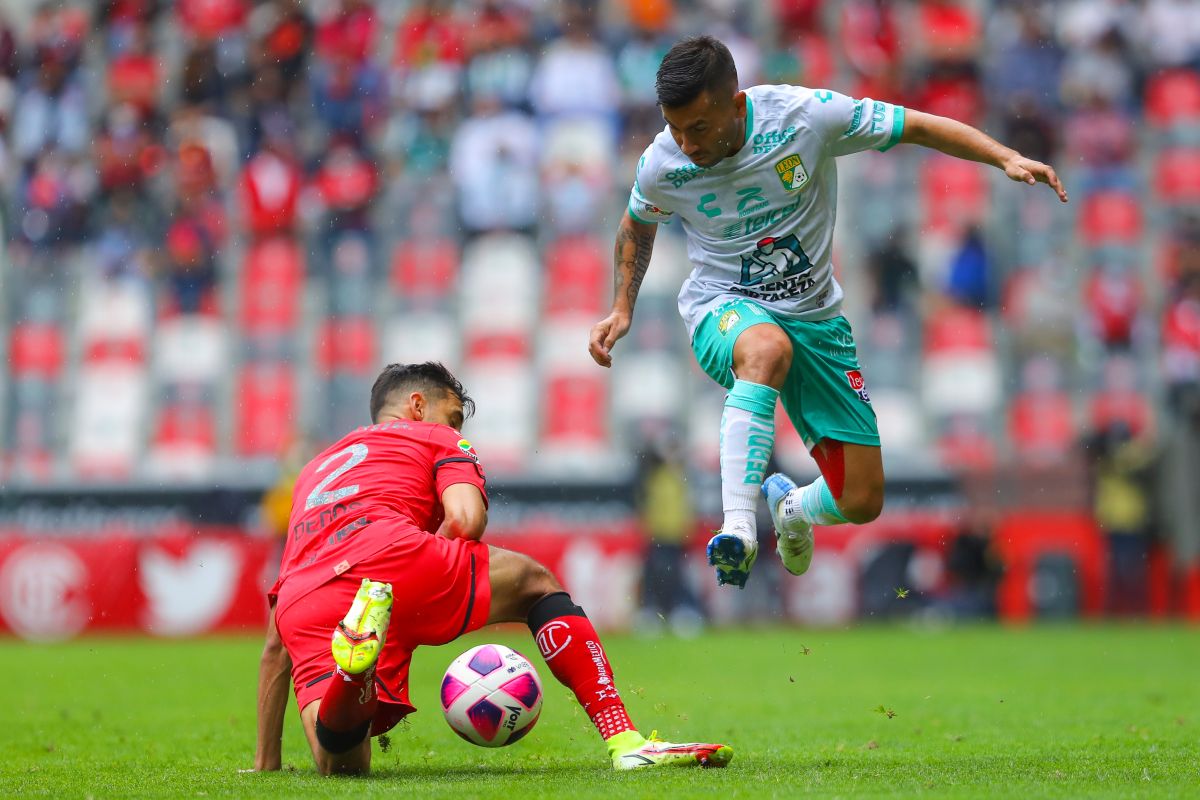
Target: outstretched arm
962,141
635,243
273,671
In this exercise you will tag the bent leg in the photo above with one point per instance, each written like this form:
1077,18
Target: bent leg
356,760
854,473
518,582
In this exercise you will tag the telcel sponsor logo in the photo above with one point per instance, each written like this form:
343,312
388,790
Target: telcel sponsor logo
767,141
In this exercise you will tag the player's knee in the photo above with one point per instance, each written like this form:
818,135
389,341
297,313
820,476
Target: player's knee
763,355
861,504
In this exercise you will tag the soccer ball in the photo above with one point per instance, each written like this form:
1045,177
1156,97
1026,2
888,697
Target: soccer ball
491,695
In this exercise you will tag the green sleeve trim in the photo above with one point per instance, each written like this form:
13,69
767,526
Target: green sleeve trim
633,214
897,129
749,119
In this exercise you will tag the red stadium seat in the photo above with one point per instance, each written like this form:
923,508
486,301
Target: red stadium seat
1173,97
1110,218
1042,427
1128,408
347,344
954,192
1177,176
575,414
185,440
272,277
114,322
482,345
966,447
266,395
957,329
36,350
424,269
577,276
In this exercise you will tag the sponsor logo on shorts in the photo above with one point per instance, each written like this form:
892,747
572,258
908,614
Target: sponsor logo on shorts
728,320
858,384
553,638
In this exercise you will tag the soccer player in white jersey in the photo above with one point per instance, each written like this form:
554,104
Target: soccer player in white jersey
751,177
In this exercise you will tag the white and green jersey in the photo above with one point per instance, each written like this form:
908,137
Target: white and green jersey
759,224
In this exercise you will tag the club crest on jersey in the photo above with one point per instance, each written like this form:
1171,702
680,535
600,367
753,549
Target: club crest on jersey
728,320
791,172
858,384
465,446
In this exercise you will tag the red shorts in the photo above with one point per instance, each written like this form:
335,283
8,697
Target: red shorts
440,591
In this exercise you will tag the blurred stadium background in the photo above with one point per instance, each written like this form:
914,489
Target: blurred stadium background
221,217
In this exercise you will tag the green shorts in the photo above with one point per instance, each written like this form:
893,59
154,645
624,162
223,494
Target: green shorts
824,396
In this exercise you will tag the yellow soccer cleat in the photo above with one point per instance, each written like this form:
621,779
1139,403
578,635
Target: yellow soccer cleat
630,750
359,637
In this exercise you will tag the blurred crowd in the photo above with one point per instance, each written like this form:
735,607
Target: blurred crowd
220,216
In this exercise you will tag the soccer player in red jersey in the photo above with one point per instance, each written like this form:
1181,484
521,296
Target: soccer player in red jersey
404,502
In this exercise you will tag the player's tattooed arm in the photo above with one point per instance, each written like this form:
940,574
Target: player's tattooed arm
962,141
631,256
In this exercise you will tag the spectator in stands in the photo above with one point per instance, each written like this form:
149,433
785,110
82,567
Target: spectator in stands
894,277
429,54
665,508
1101,141
191,268
271,184
969,281
497,183
1122,465
124,246
1026,61
51,113
1103,69
576,76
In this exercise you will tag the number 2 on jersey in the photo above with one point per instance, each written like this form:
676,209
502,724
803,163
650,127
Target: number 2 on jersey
318,497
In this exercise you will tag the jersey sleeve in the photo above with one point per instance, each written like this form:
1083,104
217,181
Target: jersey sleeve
644,203
851,126
455,461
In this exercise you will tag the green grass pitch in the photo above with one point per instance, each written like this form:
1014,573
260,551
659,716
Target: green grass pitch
1105,711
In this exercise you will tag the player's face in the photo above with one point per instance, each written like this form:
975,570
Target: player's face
444,409
710,128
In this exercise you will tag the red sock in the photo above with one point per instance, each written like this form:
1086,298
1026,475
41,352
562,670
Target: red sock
349,701
573,652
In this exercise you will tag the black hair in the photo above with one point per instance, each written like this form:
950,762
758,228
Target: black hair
694,65
428,377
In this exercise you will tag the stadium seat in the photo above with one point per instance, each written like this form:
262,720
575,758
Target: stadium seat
648,385
1113,300
1121,407
30,445
961,374
36,349
272,278
578,277
114,321
191,348
506,418
954,194
574,418
108,421
499,296
422,336
424,271
266,395
1110,218
1177,176
1173,99
184,443
965,446
1042,427
346,344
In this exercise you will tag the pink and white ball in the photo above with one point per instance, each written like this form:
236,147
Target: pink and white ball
491,695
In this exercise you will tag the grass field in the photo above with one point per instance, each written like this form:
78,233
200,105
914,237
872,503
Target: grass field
966,712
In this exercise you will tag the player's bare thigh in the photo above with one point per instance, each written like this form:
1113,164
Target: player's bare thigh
353,762
854,473
763,354
517,583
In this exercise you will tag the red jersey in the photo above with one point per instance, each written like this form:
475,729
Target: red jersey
351,500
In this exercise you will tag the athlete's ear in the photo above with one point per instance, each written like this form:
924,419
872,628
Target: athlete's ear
417,406
739,105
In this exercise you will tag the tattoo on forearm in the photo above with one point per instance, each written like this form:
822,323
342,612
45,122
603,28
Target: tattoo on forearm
632,257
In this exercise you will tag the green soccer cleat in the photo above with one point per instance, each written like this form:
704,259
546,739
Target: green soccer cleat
359,637
631,750
794,537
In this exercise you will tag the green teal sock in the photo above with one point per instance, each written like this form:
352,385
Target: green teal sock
814,504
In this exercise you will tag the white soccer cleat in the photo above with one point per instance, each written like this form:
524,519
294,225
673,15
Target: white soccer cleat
794,536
